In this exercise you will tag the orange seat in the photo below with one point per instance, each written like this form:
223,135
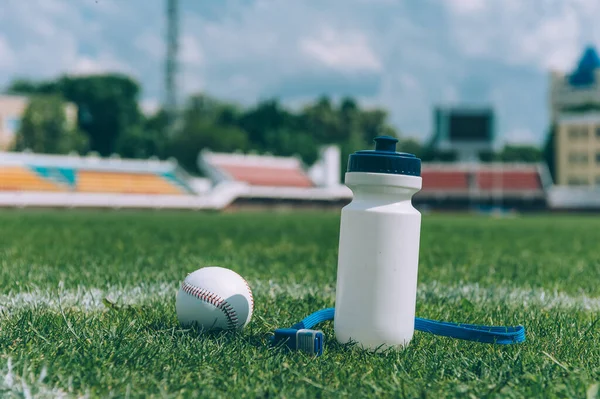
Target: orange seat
124,183
18,178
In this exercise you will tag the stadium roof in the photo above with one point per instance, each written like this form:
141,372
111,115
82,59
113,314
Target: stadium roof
584,74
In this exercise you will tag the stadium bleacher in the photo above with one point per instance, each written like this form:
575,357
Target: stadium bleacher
526,179
256,170
466,185
434,180
269,176
19,178
23,172
458,177
125,183
247,180
453,185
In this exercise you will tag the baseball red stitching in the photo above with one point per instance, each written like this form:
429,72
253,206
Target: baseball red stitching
213,299
251,297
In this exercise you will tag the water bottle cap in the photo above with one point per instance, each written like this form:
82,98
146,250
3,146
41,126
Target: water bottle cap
385,159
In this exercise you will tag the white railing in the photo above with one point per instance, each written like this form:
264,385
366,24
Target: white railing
251,160
89,162
217,198
564,197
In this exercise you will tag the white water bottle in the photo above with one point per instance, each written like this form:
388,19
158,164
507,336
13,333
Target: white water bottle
379,249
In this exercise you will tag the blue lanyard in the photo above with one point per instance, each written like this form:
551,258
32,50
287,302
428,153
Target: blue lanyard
301,336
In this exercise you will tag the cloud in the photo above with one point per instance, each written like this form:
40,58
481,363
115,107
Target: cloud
343,51
327,83
191,81
7,55
52,37
150,44
466,7
150,106
449,94
546,34
521,136
409,82
103,63
191,51
404,56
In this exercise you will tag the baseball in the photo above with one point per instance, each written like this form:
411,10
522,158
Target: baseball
214,298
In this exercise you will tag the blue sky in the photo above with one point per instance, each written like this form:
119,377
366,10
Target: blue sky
404,55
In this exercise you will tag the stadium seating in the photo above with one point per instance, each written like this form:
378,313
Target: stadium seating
509,180
490,177
268,176
246,180
124,183
54,173
467,185
257,170
18,178
445,180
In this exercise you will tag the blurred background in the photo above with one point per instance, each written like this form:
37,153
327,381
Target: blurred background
250,103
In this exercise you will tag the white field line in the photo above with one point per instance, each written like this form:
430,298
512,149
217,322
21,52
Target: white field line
91,299
28,385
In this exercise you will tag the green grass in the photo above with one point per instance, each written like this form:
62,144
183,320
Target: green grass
540,271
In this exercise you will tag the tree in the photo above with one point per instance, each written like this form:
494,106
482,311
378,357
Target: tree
140,143
145,140
272,128
323,121
45,128
520,153
201,130
187,144
487,156
410,146
430,154
109,114
353,144
266,116
347,125
210,108
288,143
107,105
329,124
374,123
206,123
350,120
549,152
24,86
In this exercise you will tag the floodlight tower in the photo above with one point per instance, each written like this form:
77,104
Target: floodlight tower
171,69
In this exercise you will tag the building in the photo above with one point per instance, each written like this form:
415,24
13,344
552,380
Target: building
575,115
12,109
578,150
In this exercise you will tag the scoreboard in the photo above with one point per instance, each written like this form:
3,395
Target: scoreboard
465,125
467,132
